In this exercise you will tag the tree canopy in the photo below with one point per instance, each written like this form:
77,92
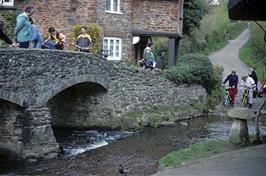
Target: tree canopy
194,10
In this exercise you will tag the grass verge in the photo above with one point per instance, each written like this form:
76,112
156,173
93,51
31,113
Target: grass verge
196,151
156,116
247,55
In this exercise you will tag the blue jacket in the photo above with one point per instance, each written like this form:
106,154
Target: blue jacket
83,41
36,36
233,80
22,31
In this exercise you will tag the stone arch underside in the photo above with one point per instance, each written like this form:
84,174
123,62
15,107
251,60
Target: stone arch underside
11,117
75,106
64,84
13,97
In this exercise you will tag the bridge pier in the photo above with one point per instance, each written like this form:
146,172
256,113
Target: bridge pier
37,134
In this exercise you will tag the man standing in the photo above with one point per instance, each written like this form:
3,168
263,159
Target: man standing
22,32
233,81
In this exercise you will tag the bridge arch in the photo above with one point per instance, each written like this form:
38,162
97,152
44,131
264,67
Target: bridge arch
13,98
67,83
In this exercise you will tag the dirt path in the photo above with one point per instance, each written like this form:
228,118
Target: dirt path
228,57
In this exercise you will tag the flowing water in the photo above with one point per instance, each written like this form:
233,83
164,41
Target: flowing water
138,151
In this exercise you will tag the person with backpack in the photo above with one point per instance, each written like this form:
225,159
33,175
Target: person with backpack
36,35
55,40
148,57
83,42
23,25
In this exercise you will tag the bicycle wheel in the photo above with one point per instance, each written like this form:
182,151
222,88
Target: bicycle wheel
226,99
245,98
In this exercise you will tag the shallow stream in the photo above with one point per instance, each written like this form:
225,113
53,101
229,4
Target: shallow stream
138,151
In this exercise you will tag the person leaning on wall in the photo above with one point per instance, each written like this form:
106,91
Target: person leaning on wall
23,25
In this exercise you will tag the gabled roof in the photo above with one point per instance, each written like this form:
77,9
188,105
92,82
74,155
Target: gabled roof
252,10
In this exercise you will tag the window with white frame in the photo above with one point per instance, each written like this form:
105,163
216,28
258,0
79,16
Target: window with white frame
112,47
7,2
113,6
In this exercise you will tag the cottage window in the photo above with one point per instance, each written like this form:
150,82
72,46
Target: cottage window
113,6
112,46
6,2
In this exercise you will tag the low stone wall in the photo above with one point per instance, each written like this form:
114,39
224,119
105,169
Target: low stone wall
132,96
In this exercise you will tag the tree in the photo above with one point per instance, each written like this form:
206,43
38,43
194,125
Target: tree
194,11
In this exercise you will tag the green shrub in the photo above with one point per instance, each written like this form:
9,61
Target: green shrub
10,23
96,33
161,47
212,34
193,69
233,29
217,92
253,53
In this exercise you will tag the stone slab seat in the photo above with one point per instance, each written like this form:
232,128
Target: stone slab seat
239,130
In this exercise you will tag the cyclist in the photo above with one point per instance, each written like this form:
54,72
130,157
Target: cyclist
233,81
249,84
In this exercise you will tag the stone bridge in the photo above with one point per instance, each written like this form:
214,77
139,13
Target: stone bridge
28,80
43,89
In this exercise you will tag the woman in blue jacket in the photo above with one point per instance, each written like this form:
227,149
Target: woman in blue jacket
23,26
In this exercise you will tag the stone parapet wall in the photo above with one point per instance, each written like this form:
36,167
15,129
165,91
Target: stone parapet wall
34,76
130,91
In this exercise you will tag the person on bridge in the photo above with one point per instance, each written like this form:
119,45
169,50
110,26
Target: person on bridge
36,35
233,81
83,42
248,83
56,40
23,25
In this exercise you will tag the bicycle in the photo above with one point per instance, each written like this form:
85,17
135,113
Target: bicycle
227,98
245,98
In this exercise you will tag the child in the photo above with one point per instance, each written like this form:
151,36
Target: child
83,41
55,40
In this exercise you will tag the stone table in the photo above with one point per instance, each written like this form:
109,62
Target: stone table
239,130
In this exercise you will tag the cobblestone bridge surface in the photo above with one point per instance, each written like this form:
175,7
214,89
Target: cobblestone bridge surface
44,88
